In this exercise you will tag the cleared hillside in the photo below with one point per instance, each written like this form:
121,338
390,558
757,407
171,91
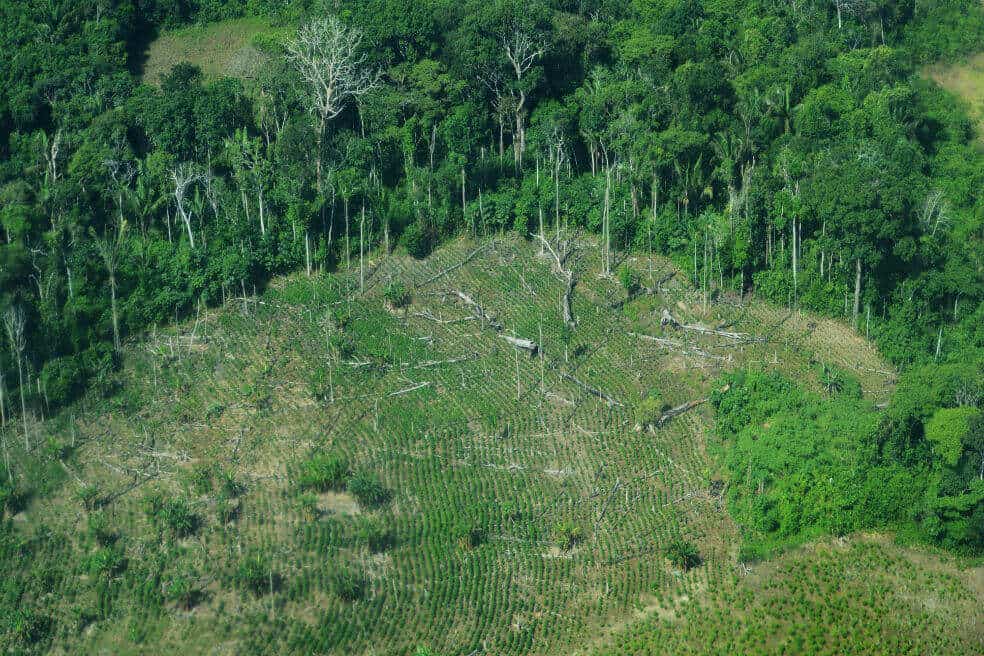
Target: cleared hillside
224,48
315,470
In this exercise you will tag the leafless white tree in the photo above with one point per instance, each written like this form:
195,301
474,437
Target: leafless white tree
184,176
327,54
522,49
14,323
935,212
849,7
109,246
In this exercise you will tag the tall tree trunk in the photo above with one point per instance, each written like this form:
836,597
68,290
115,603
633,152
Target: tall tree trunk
857,289
112,304
20,381
348,249
362,266
464,213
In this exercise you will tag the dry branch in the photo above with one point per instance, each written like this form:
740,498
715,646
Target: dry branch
455,267
593,390
478,311
667,319
431,317
412,388
679,347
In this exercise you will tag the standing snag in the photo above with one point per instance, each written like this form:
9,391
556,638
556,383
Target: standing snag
327,54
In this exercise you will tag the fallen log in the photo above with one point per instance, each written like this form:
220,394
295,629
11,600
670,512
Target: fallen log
593,391
677,411
468,258
524,344
478,311
431,317
667,319
412,388
682,348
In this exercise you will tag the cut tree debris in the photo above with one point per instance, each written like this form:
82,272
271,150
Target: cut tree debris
593,391
667,319
478,311
679,347
455,267
523,344
485,318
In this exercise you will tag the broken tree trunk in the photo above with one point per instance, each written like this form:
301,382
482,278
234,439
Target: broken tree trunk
565,302
667,319
568,276
523,344
679,347
477,310
592,390
675,412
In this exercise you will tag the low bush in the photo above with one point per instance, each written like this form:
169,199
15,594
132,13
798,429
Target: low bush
323,472
397,295
349,584
683,554
367,490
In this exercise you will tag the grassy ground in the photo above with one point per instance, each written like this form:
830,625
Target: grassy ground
222,48
966,80
521,514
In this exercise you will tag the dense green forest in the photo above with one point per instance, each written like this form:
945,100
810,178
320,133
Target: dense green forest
786,150
783,148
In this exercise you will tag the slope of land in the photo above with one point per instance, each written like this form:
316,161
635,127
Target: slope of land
497,502
223,48
966,81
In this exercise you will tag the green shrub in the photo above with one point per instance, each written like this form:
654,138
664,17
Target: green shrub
629,279
349,585
182,591
255,574
397,295
172,516
376,535
683,554
473,538
105,562
323,472
100,531
90,496
367,490
12,498
200,479
416,240
650,409
568,535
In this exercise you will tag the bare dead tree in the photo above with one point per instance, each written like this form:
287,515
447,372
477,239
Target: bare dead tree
522,48
50,151
935,212
184,176
3,426
327,54
14,323
109,246
121,173
849,7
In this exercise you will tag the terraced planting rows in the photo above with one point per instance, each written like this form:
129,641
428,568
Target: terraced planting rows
492,501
